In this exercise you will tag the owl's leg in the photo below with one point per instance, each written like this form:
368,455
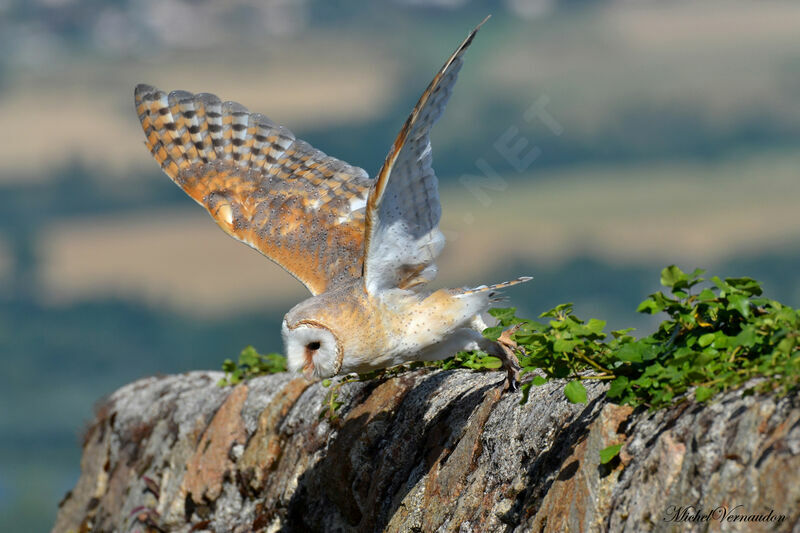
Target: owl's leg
508,347
504,349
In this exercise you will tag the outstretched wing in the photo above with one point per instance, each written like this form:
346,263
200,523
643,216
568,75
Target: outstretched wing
299,207
403,211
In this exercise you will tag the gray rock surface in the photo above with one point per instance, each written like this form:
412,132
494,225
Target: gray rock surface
428,451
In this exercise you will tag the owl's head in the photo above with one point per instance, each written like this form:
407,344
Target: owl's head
312,348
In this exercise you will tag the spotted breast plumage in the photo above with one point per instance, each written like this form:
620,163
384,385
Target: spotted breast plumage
365,248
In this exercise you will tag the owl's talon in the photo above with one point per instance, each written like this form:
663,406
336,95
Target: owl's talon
508,356
512,383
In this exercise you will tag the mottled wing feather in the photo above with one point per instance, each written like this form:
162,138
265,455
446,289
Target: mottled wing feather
291,202
403,210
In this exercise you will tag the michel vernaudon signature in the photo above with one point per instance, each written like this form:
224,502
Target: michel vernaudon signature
690,513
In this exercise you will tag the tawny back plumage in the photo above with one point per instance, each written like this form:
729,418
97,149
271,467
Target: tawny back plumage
291,202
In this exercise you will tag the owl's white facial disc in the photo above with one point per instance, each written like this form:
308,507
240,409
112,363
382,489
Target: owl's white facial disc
311,349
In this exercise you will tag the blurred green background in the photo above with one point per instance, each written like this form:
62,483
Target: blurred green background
589,144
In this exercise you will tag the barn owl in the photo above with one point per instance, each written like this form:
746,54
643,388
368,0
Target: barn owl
365,248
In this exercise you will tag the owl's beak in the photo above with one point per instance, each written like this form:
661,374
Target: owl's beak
308,368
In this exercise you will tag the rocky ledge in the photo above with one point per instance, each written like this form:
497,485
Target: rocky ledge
429,451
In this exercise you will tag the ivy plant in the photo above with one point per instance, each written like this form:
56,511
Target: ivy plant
716,336
251,364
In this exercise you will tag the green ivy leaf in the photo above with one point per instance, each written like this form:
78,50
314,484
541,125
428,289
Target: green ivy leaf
248,357
674,278
506,316
608,453
722,286
595,325
493,333
748,285
558,311
565,345
575,392
739,303
621,332
747,337
650,307
706,295
786,345
503,312
618,387
706,339
631,352
702,394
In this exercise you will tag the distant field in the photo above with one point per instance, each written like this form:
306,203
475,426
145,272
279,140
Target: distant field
84,112
722,59
612,74
691,213
670,212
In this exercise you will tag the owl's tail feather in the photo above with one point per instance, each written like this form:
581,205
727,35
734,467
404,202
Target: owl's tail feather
493,290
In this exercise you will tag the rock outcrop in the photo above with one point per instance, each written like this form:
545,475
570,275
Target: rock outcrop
429,451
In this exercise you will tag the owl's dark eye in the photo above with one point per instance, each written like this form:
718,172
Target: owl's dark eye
313,346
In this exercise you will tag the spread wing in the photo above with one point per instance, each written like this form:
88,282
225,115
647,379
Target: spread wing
299,207
403,210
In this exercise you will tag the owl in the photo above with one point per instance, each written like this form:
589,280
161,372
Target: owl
365,248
